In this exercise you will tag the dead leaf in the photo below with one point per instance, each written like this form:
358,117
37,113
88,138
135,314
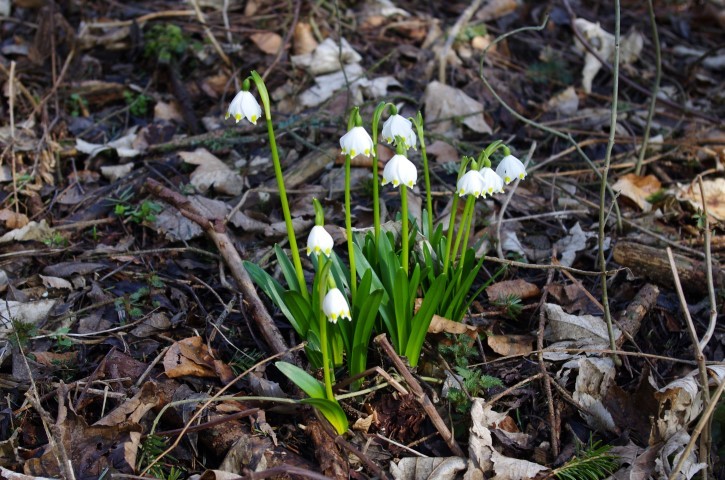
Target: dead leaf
268,42
494,9
638,189
519,288
12,219
443,103
443,151
565,102
572,327
51,359
439,325
507,345
603,43
303,41
32,231
26,312
327,57
116,172
573,243
427,468
191,357
212,172
714,197
56,282
484,460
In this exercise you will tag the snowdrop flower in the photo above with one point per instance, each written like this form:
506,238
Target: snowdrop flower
492,182
319,241
471,183
244,105
399,126
335,306
356,141
510,168
400,171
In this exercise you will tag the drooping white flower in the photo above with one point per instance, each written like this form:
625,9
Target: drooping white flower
244,105
471,183
356,141
492,182
510,168
400,171
335,306
399,126
319,241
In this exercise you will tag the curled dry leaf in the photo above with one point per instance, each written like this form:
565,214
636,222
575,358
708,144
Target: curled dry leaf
638,189
714,197
507,345
268,42
442,325
443,103
191,357
13,220
427,468
303,41
212,172
519,288
572,327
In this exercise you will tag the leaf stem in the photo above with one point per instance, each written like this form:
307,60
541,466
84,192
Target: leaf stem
404,230
348,229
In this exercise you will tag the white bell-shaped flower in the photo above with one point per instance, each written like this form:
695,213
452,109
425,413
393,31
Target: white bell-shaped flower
335,306
492,182
319,241
244,105
399,126
356,141
510,169
471,183
400,171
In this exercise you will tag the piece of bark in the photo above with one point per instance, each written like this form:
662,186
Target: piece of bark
215,229
331,462
631,318
652,263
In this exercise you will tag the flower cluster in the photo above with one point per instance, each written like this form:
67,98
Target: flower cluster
487,181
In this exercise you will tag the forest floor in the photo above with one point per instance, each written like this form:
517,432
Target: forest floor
131,342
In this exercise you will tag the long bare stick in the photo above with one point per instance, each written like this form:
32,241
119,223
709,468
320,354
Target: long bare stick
420,395
655,87
604,184
708,269
704,442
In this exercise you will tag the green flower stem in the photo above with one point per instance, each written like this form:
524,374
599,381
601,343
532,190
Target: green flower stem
404,230
465,219
426,173
264,95
449,234
348,230
376,179
324,342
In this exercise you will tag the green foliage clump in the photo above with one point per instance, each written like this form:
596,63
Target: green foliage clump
591,462
138,104
474,383
165,43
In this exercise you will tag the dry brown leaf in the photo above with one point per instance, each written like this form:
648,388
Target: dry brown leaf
443,151
51,359
442,325
443,102
519,288
56,282
496,9
303,41
268,42
191,357
714,197
12,219
638,189
511,344
427,468
212,172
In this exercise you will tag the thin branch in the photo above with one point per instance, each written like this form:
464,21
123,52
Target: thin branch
655,87
604,184
708,270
